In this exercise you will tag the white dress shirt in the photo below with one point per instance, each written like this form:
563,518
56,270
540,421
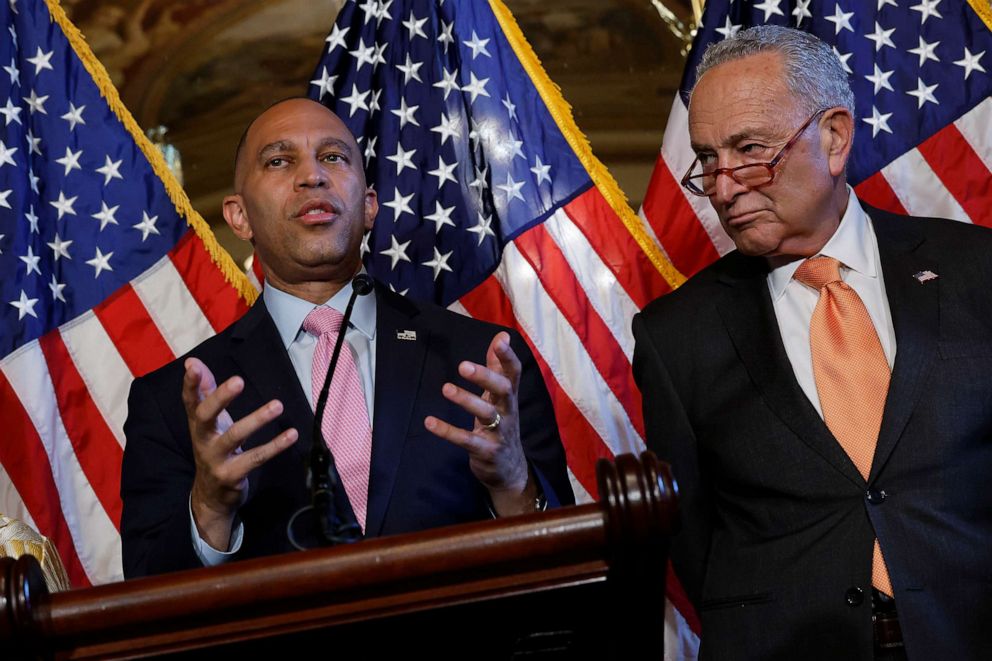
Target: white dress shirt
855,246
288,313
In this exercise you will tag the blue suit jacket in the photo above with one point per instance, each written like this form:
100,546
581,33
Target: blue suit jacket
417,480
777,526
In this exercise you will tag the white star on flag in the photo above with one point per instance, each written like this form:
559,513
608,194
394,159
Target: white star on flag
399,204
439,263
477,45
59,248
100,263
106,215
396,252
74,116
41,61
483,228
70,160
325,84
840,19
146,226
441,216
110,170
25,306
64,204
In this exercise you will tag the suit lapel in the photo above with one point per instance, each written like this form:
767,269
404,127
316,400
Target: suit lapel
914,307
748,315
258,352
401,345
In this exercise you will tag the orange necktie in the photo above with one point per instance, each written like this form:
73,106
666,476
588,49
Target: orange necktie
851,373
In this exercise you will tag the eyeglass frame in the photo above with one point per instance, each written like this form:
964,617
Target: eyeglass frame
769,165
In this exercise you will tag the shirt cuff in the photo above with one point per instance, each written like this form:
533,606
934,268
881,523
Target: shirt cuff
208,555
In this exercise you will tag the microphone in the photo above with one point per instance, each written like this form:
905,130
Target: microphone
323,477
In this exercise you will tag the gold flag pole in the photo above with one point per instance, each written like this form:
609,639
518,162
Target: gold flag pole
697,11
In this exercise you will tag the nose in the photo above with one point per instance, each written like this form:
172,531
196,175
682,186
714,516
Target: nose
726,189
310,174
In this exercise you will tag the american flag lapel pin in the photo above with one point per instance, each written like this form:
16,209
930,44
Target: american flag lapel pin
924,277
406,335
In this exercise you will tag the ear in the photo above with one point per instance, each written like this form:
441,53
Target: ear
371,207
838,137
237,217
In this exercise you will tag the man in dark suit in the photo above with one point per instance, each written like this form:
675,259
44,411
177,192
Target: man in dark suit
217,440
798,542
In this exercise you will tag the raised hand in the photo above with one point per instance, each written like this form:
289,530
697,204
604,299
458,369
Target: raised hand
496,455
221,482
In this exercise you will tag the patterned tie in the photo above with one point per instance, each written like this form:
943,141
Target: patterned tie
851,372
345,425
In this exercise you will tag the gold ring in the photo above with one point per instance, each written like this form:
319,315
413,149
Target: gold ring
494,424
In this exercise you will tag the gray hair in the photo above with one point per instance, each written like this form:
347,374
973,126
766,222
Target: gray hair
813,72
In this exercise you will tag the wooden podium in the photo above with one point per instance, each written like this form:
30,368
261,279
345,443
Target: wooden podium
584,582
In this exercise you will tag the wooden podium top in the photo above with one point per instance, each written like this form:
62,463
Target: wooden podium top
538,581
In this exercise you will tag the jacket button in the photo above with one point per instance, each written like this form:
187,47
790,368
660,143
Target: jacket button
854,597
875,496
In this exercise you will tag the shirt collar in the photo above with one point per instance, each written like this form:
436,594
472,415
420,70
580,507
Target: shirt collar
288,311
851,244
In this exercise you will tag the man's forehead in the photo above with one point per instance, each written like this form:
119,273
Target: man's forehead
295,122
745,96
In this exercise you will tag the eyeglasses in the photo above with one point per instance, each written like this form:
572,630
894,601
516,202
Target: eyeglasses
752,175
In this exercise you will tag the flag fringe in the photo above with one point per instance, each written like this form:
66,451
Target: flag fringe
221,258
561,112
984,10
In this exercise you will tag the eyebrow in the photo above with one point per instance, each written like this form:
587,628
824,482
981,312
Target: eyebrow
290,146
746,134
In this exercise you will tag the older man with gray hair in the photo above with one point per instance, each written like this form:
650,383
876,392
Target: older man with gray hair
823,391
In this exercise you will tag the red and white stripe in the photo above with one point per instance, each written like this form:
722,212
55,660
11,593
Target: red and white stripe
949,175
571,287
65,396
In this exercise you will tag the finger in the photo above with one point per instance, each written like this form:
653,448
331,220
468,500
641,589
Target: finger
194,383
456,435
496,384
213,406
483,410
503,359
241,430
249,460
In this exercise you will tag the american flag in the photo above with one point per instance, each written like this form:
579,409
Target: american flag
492,203
920,71
102,278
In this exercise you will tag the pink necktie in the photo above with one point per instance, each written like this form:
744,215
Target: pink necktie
851,373
345,425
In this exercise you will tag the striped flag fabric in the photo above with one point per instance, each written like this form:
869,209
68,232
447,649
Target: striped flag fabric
921,71
491,203
106,273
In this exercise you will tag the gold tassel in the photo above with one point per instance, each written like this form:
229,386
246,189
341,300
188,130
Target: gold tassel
984,10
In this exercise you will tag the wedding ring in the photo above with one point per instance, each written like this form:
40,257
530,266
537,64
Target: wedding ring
494,424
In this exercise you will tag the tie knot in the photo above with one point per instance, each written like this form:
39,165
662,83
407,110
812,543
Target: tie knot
323,320
818,272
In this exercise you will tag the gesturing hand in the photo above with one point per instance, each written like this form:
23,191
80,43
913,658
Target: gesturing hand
496,455
221,481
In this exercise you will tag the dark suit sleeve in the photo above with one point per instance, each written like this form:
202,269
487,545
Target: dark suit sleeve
670,436
539,429
156,478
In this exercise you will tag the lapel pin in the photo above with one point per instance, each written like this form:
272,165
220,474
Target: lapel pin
924,277
411,335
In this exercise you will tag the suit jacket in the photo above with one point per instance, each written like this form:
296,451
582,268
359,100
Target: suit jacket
778,525
417,480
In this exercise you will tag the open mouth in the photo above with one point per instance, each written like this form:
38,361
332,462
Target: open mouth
317,211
